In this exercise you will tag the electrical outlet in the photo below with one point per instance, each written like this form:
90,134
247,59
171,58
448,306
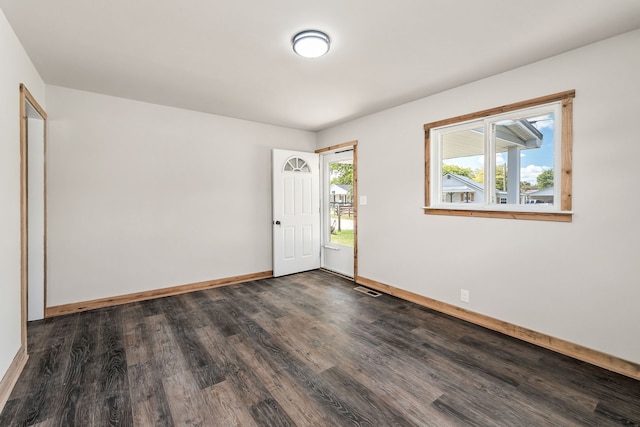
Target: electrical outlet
464,295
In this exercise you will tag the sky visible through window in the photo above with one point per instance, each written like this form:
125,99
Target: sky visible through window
532,162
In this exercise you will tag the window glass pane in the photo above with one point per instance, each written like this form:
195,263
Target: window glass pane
463,166
296,164
524,160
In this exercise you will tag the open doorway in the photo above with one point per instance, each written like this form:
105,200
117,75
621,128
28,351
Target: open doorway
33,207
339,210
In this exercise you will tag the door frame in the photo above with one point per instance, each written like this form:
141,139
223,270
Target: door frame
350,145
26,97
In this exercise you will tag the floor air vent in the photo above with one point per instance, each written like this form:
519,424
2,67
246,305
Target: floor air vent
367,291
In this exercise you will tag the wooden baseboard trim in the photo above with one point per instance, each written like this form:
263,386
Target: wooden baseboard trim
11,377
77,307
558,345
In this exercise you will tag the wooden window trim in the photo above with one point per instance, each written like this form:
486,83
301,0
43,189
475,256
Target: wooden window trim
565,215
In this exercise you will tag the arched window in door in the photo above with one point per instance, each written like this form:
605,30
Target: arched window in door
296,164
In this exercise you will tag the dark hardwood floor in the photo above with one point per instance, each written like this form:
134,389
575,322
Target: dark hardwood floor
303,350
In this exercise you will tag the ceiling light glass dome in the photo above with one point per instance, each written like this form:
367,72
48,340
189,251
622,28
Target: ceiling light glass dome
311,43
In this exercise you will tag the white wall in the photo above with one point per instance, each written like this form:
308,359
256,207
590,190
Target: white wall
576,281
142,196
15,68
35,220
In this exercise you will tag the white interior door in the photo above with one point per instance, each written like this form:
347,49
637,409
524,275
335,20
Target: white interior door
338,212
296,211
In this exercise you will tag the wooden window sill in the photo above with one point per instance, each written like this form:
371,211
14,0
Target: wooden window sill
503,214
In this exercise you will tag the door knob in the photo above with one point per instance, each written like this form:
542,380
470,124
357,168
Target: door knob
277,222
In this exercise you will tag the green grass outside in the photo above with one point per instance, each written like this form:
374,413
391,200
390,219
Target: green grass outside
350,218
344,237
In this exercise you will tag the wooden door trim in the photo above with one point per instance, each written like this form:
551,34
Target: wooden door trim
336,147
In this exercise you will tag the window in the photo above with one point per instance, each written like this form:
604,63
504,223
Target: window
296,164
512,161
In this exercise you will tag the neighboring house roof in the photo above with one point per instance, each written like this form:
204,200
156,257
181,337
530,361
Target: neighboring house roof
449,183
339,189
463,185
458,189
544,192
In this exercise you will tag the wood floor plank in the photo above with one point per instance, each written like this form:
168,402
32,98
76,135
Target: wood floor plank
202,366
462,372
76,393
183,394
219,317
538,385
149,308
627,415
305,378
186,402
105,401
56,337
359,396
293,340
39,331
403,382
136,335
282,360
535,389
272,310
412,400
113,372
41,403
10,412
230,411
254,301
602,383
247,386
306,350
168,359
149,403
394,340
461,414
193,302
296,401
268,413
89,409
46,423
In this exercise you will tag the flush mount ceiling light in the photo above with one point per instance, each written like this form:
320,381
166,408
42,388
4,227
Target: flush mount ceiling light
310,43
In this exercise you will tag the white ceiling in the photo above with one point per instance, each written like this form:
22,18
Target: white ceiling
234,57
